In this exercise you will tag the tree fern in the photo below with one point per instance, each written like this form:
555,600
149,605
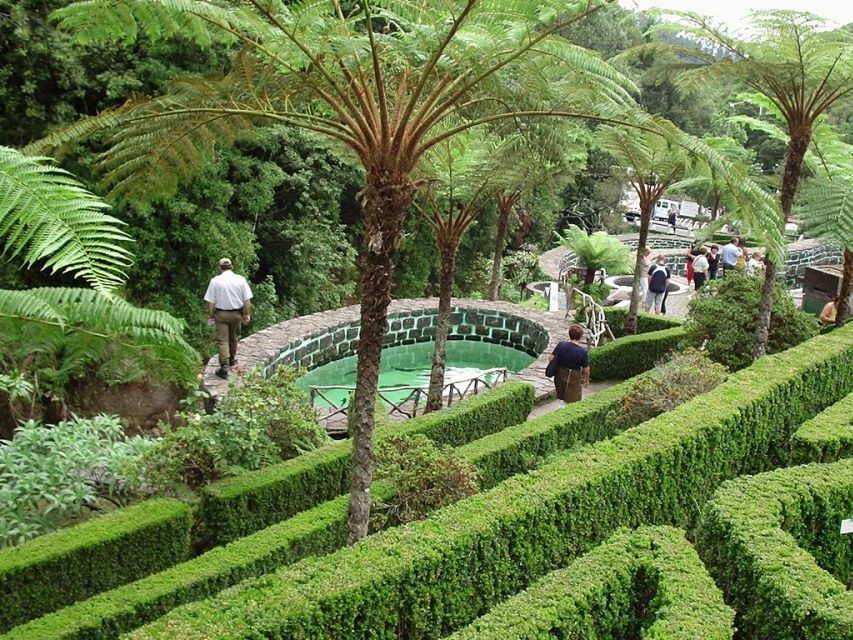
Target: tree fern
826,210
46,216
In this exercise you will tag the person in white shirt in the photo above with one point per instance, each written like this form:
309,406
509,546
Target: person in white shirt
700,268
755,266
229,300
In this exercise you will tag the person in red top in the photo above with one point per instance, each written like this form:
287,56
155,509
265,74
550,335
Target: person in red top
572,366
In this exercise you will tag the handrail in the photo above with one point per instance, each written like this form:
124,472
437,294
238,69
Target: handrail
596,320
408,406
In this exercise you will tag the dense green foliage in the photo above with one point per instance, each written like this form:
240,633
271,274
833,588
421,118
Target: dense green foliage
627,356
672,382
51,474
493,544
722,320
646,322
237,506
423,476
59,568
772,542
826,437
650,579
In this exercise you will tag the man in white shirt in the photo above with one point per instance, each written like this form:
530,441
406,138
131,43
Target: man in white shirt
228,300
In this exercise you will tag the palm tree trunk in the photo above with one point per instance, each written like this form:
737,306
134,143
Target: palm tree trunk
449,248
715,209
645,222
843,312
589,275
384,203
794,154
505,205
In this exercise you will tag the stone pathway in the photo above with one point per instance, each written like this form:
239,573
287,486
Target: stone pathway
552,405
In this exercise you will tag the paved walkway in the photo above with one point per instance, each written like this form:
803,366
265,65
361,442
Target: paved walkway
552,405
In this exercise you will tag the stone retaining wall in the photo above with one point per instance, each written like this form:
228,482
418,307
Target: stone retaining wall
314,340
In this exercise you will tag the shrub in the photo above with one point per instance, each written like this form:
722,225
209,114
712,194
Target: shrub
669,384
646,322
650,579
631,355
431,577
722,320
424,477
772,543
238,506
187,456
826,437
51,474
62,567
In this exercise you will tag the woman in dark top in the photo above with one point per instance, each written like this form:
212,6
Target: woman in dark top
713,262
573,366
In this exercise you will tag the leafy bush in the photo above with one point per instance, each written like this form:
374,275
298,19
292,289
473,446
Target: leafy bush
49,475
257,425
631,355
669,384
425,477
724,316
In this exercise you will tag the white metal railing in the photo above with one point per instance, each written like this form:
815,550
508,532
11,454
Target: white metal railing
595,320
410,403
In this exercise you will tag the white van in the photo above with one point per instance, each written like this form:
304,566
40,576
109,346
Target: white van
662,209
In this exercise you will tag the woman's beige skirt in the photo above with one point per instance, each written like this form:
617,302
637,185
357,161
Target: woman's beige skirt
568,384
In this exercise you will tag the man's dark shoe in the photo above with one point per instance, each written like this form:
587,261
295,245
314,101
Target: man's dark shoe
232,361
222,372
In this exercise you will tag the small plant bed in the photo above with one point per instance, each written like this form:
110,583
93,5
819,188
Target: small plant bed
826,437
772,542
646,583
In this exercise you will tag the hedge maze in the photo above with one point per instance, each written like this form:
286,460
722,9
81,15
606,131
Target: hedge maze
583,530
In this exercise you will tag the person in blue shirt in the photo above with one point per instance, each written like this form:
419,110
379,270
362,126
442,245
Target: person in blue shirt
573,366
729,255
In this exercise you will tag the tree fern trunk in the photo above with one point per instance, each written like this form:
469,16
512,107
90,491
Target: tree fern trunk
794,154
385,201
843,313
439,356
645,222
505,205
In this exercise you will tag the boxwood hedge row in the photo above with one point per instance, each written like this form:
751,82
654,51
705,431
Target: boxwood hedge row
826,437
646,322
435,576
238,506
631,355
772,542
649,579
71,564
317,531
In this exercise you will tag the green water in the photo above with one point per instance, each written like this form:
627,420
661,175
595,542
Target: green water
409,365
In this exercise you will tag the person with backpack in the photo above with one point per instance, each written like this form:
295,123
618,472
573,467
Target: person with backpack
659,276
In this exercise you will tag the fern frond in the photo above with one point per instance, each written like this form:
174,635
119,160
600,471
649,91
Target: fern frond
47,216
826,210
87,327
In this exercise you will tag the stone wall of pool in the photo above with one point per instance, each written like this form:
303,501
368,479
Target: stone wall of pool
317,339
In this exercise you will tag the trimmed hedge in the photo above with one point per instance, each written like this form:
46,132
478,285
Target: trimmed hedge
432,577
650,579
235,507
646,322
317,531
757,537
826,437
632,355
72,564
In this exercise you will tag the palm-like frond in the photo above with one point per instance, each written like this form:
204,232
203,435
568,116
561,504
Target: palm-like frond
826,211
47,216
87,327
598,250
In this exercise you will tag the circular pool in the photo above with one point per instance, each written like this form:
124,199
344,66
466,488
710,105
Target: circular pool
409,366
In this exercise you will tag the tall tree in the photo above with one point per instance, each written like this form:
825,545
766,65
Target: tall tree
793,59
379,77
650,164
